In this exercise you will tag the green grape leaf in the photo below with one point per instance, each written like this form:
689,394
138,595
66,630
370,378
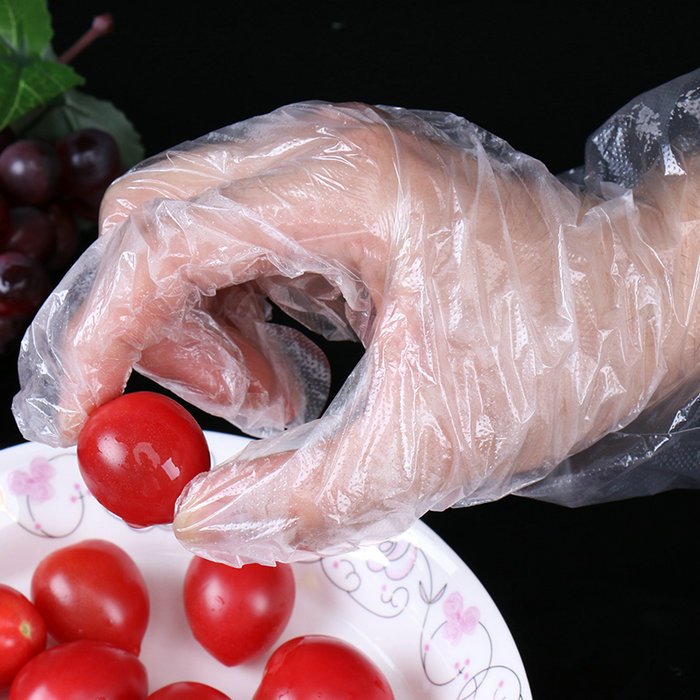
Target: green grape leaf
27,79
29,82
25,25
75,110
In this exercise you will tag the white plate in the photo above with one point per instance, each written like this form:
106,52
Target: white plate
411,604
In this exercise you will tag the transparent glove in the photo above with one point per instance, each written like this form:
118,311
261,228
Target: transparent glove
509,319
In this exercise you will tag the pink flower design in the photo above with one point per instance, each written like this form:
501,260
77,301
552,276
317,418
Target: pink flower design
459,621
37,484
401,558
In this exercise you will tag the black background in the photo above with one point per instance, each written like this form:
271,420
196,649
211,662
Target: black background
602,601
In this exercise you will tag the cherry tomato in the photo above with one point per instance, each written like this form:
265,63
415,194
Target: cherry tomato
237,613
22,633
188,690
317,667
137,453
83,670
92,590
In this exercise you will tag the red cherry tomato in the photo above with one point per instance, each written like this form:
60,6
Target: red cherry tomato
237,613
92,590
137,453
22,633
83,670
317,667
188,690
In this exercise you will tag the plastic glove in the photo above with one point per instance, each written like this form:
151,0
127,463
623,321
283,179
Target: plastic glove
509,320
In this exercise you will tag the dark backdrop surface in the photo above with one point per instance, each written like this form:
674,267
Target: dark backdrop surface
602,601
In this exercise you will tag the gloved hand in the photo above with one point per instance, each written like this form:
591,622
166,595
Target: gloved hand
509,320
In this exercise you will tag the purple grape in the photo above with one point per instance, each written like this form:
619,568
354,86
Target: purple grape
66,237
24,284
87,207
29,171
4,222
31,233
90,160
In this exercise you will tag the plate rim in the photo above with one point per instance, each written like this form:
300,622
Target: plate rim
419,534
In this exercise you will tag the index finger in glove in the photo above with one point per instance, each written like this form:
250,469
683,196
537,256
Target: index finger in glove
171,258
149,306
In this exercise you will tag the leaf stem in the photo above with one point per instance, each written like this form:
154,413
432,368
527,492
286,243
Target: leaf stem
101,25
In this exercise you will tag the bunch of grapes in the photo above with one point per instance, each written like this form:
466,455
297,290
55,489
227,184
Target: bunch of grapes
47,192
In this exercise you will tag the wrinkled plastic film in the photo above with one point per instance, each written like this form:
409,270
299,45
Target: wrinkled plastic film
654,128
659,451
38,415
511,319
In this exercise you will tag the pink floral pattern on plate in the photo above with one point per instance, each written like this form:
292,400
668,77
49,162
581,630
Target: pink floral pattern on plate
46,506
36,484
454,644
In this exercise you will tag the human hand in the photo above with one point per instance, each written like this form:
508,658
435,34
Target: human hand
508,321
